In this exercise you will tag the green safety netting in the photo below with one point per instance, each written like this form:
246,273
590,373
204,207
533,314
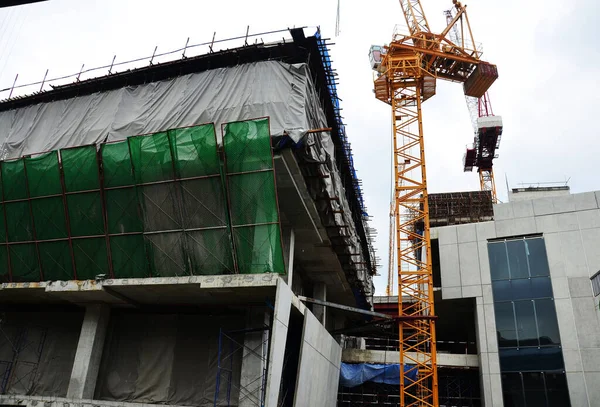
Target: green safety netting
252,197
91,258
80,168
151,157
19,225
194,151
129,256
13,180
24,262
85,214
123,211
49,218
56,260
4,274
158,203
116,165
43,174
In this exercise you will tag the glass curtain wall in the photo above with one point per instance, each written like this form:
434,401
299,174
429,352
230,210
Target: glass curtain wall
531,359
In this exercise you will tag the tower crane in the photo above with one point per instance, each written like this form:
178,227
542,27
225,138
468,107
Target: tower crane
488,131
487,128
407,71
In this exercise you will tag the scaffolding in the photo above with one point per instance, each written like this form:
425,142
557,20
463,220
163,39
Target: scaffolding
458,208
164,204
250,389
20,366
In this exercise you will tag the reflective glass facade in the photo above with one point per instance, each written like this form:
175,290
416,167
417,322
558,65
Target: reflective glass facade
531,359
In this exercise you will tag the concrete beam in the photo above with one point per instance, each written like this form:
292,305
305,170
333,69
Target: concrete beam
390,357
136,291
89,352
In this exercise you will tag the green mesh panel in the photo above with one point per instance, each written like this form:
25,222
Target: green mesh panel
252,198
4,274
43,175
19,224
116,165
80,168
258,249
24,262
56,260
166,254
195,151
248,146
128,256
2,225
90,258
151,157
49,218
210,252
85,214
13,180
160,205
123,212
204,203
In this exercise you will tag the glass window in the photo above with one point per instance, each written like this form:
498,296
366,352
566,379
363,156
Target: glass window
517,259
498,260
505,324
526,327
512,390
556,387
535,390
596,284
547,323
531,359
502,290
521,289
536,254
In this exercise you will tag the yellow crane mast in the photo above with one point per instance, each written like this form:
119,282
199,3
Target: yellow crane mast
407,72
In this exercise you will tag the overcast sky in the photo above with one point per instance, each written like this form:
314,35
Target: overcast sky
547,52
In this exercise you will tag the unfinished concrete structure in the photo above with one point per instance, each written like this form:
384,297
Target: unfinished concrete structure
519,290
529,274
165,268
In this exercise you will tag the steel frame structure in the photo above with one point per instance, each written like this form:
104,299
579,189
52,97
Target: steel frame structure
487,182
415,281
407,77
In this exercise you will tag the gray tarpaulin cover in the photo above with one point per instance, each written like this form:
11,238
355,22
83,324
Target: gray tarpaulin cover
37,351
242,92
283,92
167,359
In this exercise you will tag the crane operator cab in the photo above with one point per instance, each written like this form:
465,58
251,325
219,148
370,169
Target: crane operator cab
375,57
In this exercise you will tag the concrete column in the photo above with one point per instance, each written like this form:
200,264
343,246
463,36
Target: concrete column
320,293
89,352
290,264
279,330
254,358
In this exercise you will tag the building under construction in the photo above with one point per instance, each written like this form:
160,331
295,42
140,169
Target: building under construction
516,302
159,226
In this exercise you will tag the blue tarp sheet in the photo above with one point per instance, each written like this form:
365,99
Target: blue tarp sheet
355,374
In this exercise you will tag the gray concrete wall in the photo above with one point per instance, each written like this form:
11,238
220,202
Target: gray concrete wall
319,367
281,319
525,195
570,226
